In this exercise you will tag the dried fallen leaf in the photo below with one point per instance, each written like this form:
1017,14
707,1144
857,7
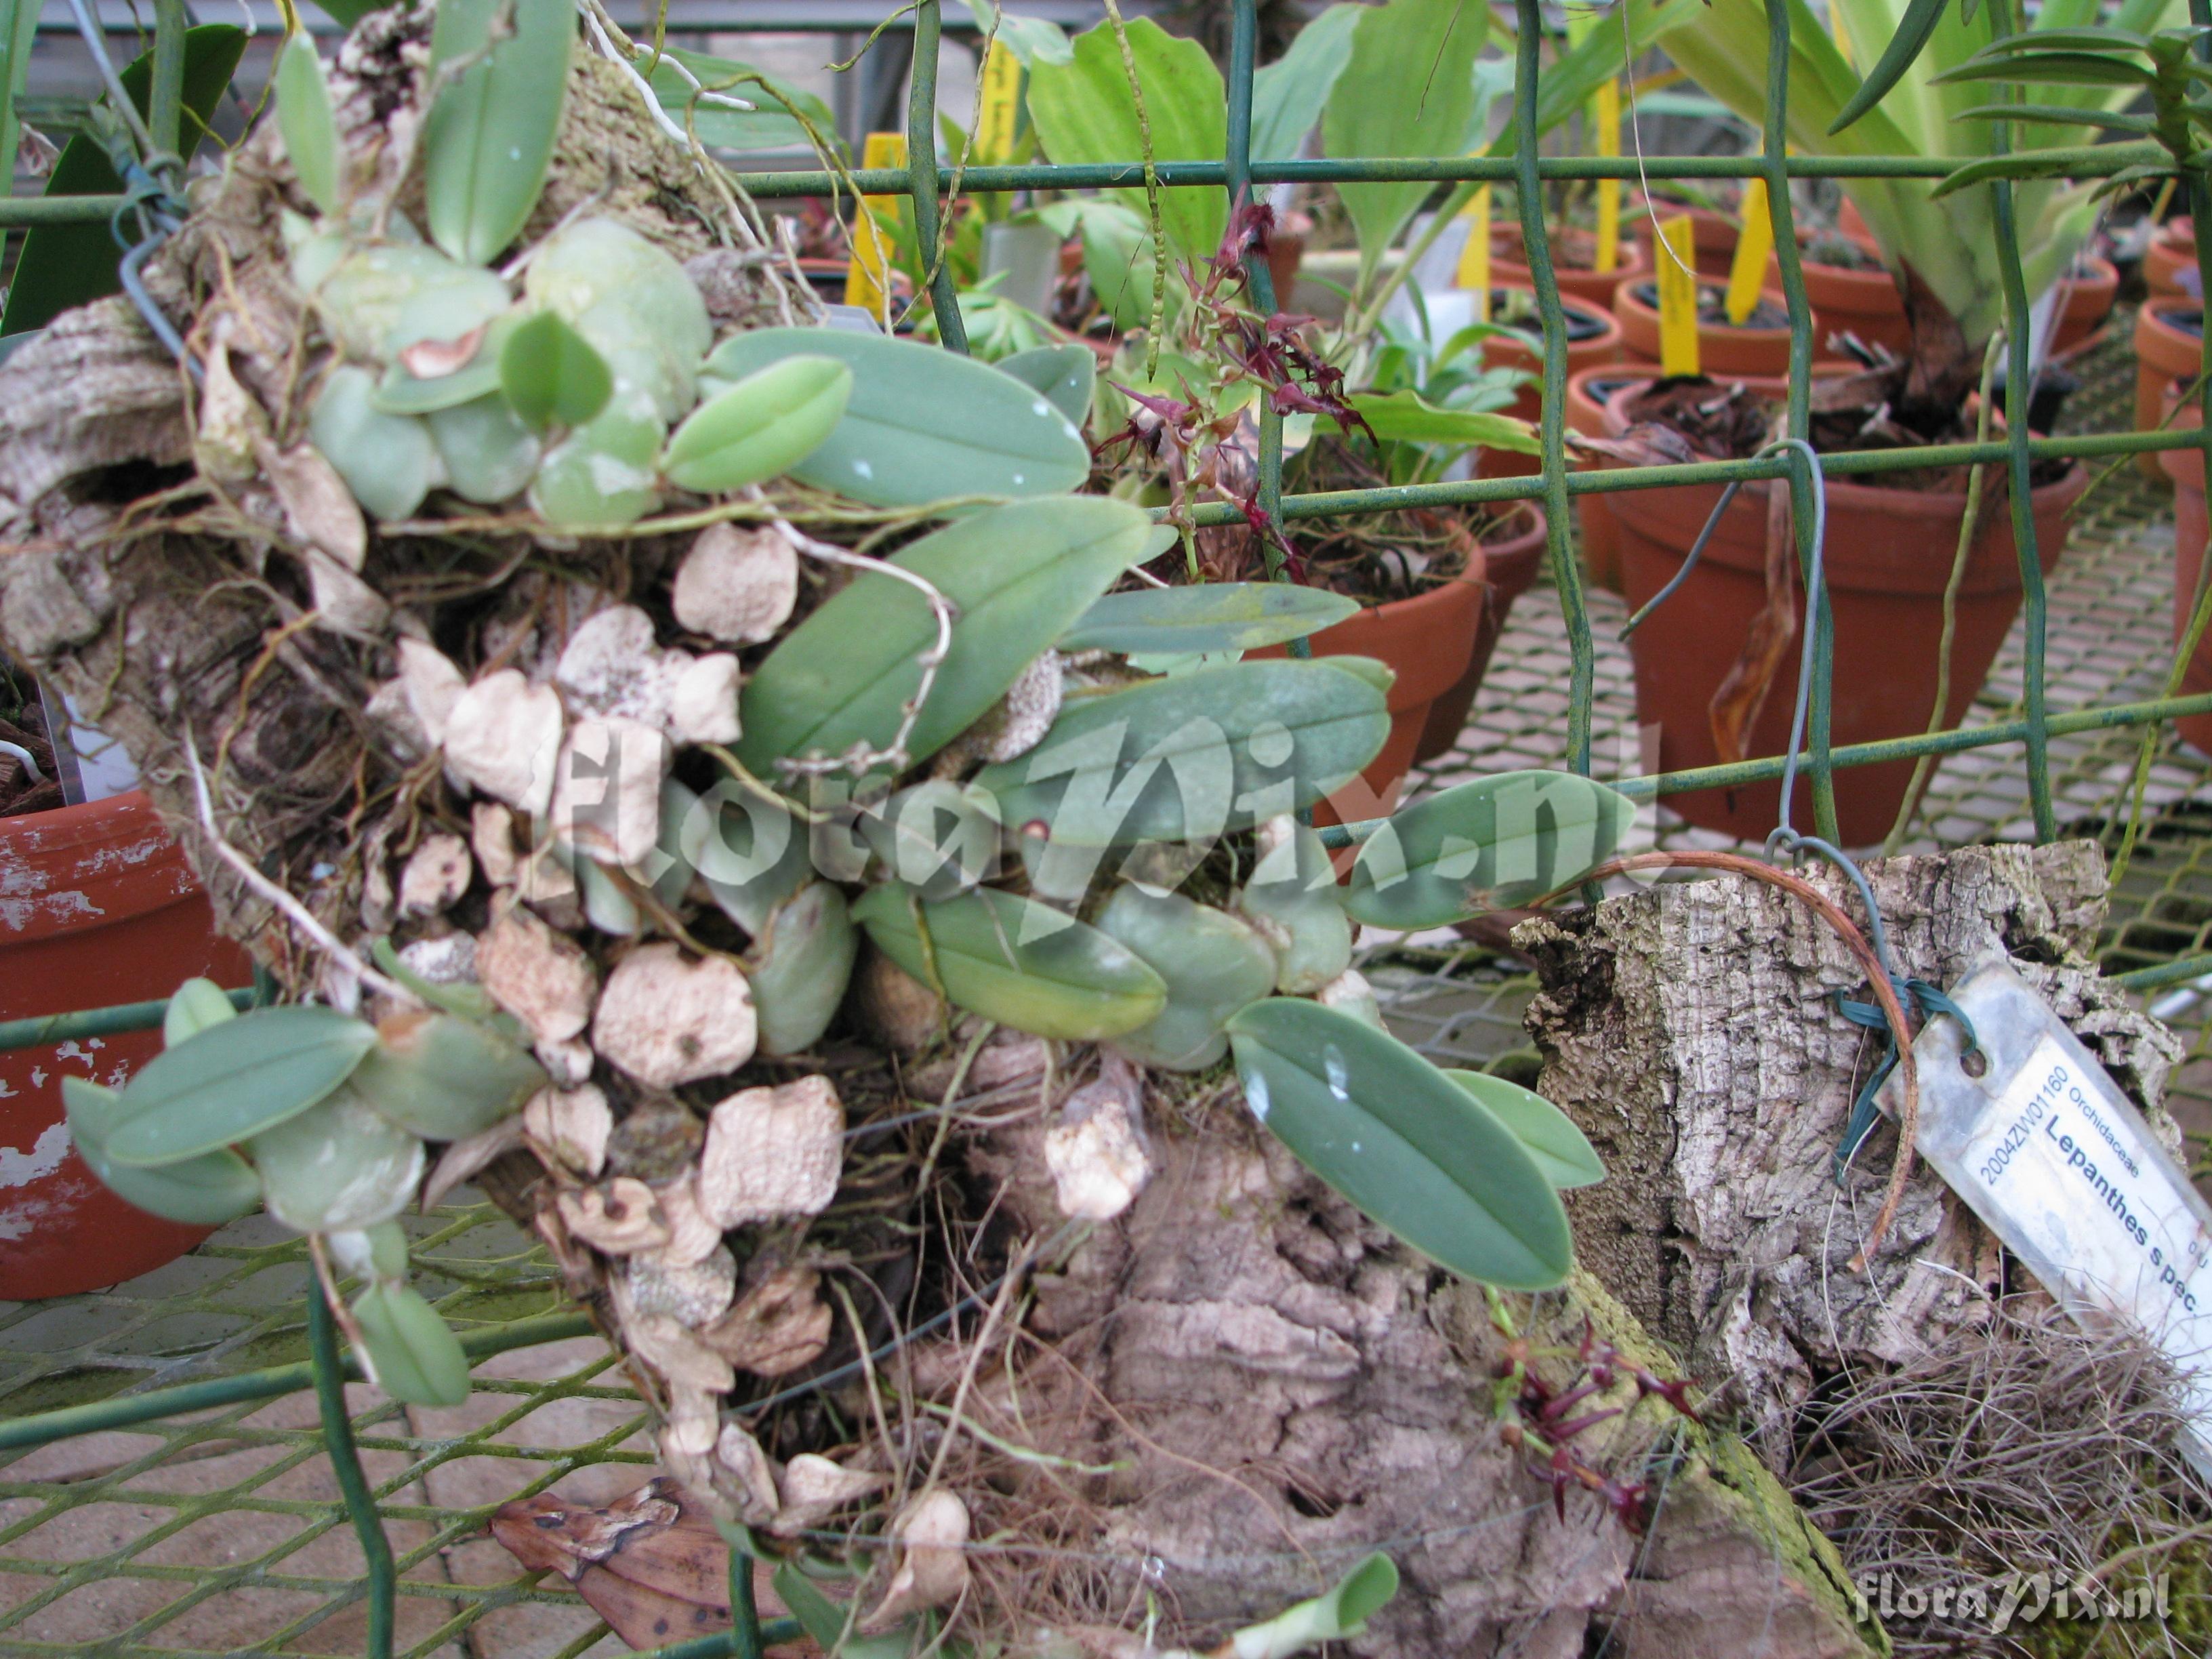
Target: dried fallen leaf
463,1159
777,1326
433,359
931,1534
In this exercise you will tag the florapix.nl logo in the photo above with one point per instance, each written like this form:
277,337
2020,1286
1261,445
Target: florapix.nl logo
2007,1602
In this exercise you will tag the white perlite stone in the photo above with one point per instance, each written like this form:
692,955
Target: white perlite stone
503,739
773,1152
737,586
666,1021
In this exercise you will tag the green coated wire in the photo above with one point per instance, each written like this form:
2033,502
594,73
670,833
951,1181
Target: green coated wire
165,102
920,181
1536,244
2034,605
380,1584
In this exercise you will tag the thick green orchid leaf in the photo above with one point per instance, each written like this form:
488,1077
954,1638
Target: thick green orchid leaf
199,1192
1212,616
401,392
799,981
488,136
1213,964
1289,93
774,122
900,442
416,1359
601,476
935,837
2056,164
303,115
1084,112
489,456
1336,1617
465,997
1399,1141
63,266
1408,89
764,425
1292,899
1407,418
752,853
234,1079
388,461
193,1007
1196,755
445,1078
1017,576
1562,1151
1015,960
550,373
1489,845
1067,375
340,1166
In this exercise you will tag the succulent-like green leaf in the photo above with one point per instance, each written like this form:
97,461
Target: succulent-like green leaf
550,375
193,1007
388,461
415,1357
488,136
1015,960
1548,1135
1293,899
635,304
601,477
1214,965
1211,616
1489,845
1194,756
800,978
1066,374
1341,1614
752,853
1412,1150
1017,575
339,1166
303,115
444,1078
764,425
200,1192
934,837
489,456
234,1079
898,444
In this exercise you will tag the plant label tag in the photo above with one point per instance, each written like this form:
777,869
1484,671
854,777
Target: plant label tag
1605,114
868,271
1676,253
2043,1147
1474,257
1754,246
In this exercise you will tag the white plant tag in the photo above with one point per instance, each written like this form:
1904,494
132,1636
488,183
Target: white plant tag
2046,1150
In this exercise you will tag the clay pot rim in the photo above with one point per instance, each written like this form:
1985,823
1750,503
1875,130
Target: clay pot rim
2153,314
1635,253
2184,467
2103,273
1903,503
59,828
1569,303
1625,294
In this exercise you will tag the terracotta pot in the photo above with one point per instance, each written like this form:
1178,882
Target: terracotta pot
1512,558
1851,221
1600,345
102,909
1509,267
1425,641
1713,235
2185,467
1587,393
1888,557
2089,294
2169,335
1722,348
2172,252
1863,303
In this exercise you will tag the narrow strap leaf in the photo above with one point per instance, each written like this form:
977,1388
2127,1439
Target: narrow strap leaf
1919,23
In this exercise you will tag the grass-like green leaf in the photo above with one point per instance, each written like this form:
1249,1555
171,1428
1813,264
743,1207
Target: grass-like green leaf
303,115
1398,1138
550,373
1489,845
1015,960
488,138
1562,1151
1919,22
200,1192
2060,115
2054,164
1407,416
1019,575
1195,756
416,1358
923,424
764,425
2072,69
234,1079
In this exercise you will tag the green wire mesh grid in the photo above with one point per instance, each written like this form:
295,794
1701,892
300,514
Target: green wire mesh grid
239,1524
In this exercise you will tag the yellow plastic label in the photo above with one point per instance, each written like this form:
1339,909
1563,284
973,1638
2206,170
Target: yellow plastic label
1606,108
1677,296
1002,91
1474,257
1754,245
868,273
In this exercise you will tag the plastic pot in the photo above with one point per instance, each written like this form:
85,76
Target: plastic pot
2185,467
2171,252
2169,346
1509,266
1512,556
1593,341
1723,349
97,906
1888,557
1425,641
